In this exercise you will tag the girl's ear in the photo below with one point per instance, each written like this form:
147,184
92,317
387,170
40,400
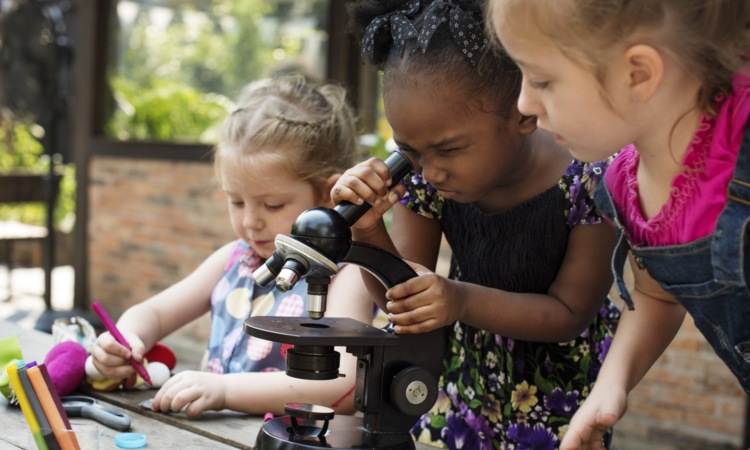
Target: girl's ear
325,189
645,68
526,124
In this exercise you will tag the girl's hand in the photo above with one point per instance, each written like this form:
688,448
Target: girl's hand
112,359
424,303
599,412
192,390
367,182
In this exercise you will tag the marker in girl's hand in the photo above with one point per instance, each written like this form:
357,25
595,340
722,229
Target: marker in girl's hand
112,328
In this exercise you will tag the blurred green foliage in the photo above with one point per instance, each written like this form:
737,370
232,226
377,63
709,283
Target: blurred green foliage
176,81
21,152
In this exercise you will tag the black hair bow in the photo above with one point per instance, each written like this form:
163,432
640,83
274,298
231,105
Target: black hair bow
466,31
401,28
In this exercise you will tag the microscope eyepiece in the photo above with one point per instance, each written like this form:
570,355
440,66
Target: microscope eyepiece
294,268
267,272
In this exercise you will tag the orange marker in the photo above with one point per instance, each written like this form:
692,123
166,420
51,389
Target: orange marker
36,406
48,398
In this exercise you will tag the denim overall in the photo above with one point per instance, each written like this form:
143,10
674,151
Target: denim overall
708,276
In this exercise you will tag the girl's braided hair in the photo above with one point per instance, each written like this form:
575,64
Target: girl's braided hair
487,74
307,126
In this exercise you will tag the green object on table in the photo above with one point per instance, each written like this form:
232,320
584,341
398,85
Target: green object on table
10,353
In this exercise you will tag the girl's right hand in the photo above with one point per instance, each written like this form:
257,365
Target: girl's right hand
368,182
112,359
598,414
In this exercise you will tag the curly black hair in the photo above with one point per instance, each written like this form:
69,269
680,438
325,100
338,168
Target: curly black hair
495,76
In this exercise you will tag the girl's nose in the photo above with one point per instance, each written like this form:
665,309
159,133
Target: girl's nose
526,102
252,221
433,174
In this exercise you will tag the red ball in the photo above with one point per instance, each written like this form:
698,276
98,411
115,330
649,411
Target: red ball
163,354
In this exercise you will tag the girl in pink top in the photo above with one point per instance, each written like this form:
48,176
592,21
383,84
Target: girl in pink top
667,84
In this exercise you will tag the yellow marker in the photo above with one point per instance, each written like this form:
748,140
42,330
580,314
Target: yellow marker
28,413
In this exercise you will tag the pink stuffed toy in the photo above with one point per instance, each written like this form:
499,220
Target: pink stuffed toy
65,364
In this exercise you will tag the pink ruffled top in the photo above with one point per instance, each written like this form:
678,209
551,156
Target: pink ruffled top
699,192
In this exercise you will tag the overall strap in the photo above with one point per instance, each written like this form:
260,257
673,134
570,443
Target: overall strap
603,200
726,251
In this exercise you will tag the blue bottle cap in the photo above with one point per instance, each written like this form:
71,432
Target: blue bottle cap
130,440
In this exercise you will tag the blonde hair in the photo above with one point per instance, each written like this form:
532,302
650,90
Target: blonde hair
308,127
709,38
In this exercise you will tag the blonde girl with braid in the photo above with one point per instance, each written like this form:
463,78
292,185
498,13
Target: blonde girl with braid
280,153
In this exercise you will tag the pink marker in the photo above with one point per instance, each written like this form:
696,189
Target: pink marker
112,328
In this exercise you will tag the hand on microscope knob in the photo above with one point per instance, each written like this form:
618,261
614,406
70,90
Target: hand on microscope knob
368,182
424,303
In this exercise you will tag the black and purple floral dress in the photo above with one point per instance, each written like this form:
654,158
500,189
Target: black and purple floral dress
496,392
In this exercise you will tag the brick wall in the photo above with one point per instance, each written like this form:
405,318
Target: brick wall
150,224
689,400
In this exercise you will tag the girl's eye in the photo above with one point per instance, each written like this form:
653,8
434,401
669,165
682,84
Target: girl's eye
408,151
275,207
236,202
538,84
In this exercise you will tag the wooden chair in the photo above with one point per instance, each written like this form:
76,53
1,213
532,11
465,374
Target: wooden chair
30,188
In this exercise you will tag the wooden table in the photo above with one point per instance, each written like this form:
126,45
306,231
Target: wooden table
212,429
14,430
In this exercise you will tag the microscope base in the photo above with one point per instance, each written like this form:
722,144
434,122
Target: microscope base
344,433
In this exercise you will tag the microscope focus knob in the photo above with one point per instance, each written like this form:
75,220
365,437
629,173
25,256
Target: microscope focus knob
414,391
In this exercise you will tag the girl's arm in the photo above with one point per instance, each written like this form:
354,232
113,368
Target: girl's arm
417,237
261,392
569,306
151,320
642,336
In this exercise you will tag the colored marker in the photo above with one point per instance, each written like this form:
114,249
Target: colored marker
23,401
55,396
48,398
112,328
36,406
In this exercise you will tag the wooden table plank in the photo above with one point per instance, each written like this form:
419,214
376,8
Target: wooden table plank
14,429
212,429
34,344
228,427
15,433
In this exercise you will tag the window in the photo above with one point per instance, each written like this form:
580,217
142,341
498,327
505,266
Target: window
175,66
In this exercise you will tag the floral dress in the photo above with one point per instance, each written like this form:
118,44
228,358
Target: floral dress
234,299
497,392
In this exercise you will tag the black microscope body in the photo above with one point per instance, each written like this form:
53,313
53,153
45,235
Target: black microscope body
396,379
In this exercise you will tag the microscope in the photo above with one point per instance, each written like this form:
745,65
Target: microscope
396,378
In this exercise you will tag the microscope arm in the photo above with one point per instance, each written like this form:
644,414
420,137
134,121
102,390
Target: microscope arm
389,269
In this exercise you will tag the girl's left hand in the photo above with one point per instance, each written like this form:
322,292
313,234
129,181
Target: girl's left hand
423,303
192,390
